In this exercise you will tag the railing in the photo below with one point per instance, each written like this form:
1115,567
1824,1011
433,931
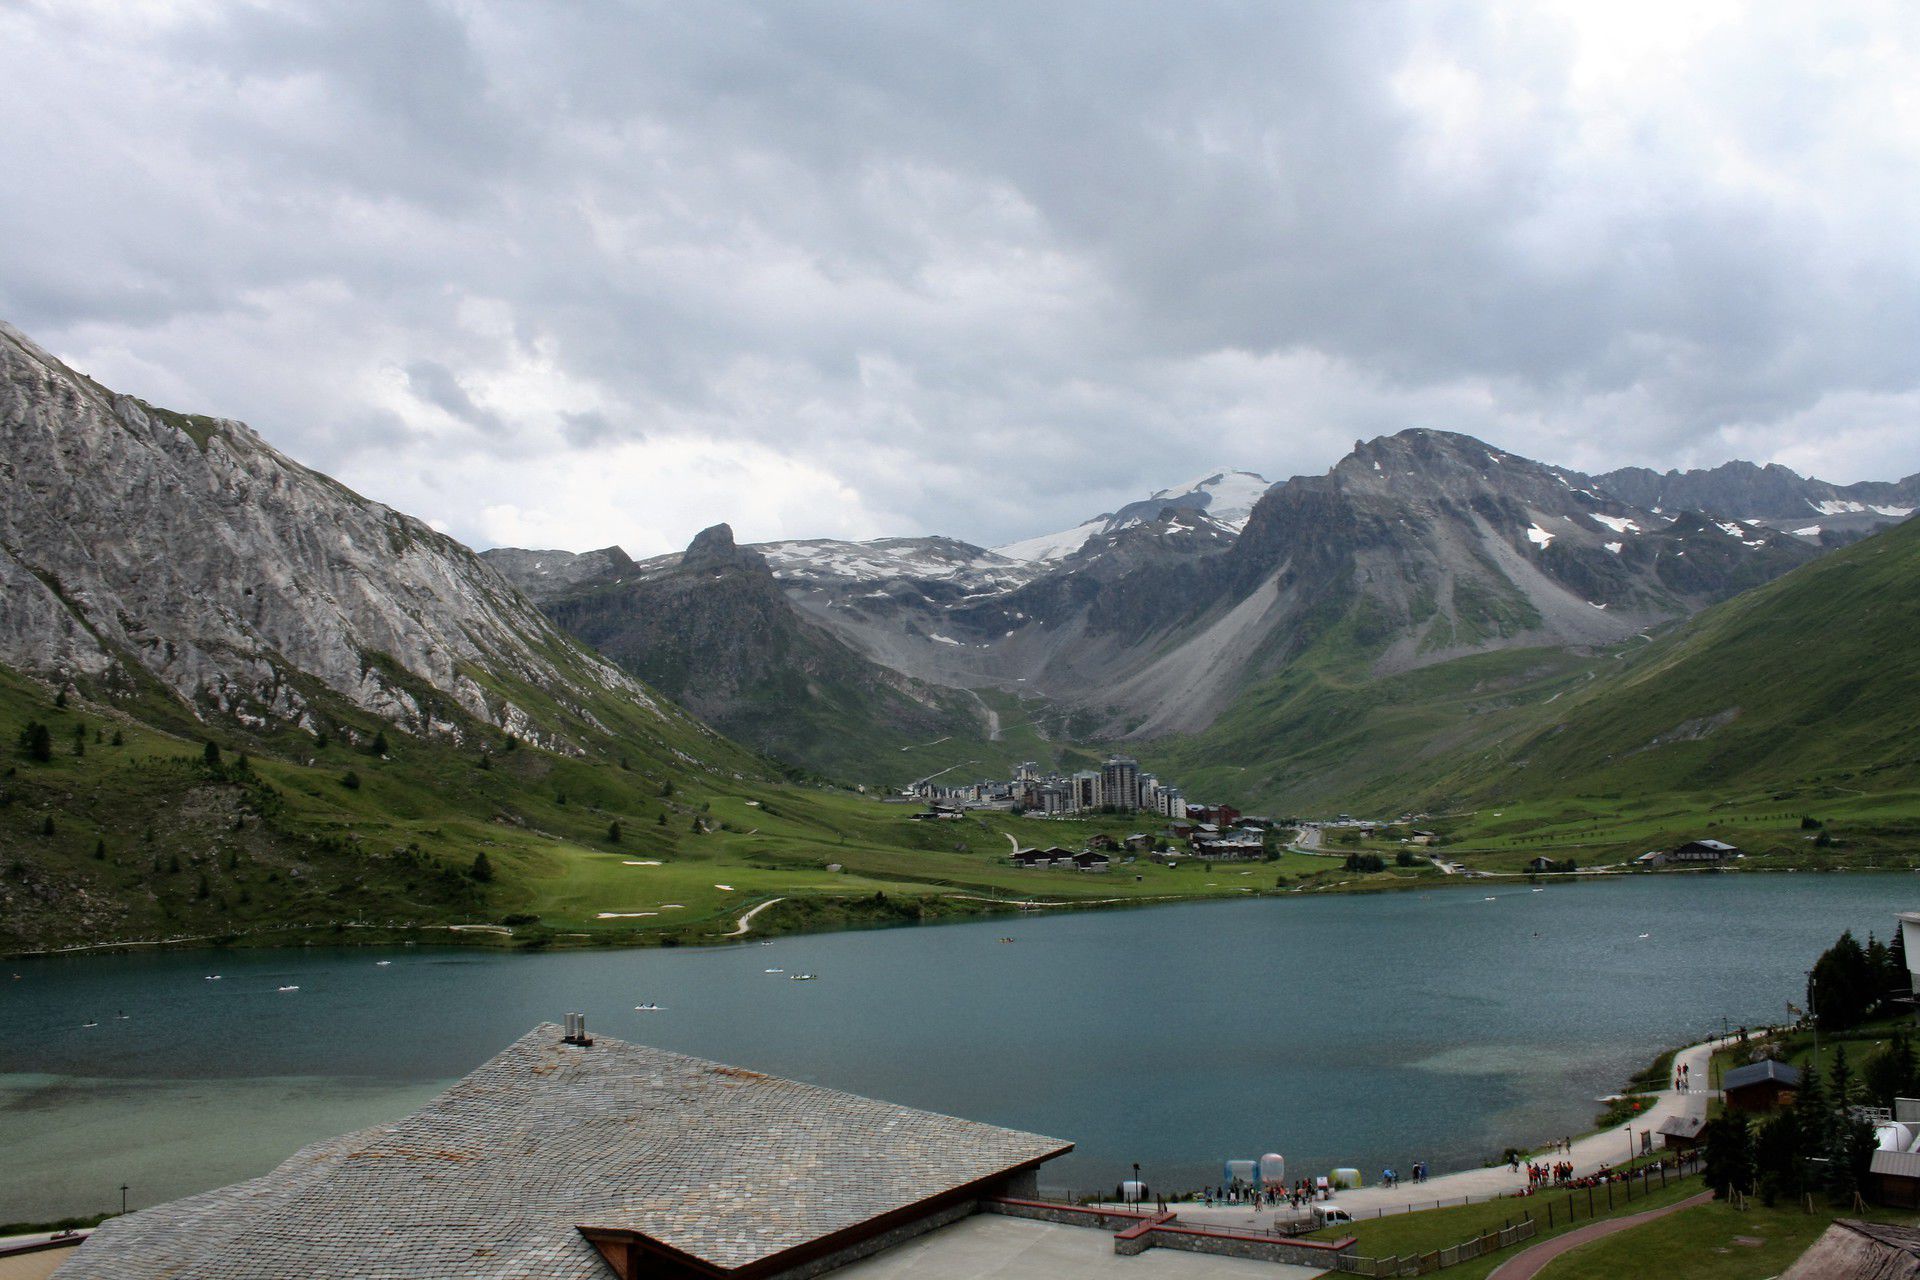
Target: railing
1420,1264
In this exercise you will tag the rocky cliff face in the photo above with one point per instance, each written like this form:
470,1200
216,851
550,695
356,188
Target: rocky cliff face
713,629
135,541
1414,549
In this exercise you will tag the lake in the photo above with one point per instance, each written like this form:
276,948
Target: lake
1435,1025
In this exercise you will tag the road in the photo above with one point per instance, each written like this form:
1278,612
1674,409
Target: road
745,922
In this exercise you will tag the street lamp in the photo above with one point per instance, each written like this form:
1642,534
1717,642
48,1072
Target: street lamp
123,1198
1136,1182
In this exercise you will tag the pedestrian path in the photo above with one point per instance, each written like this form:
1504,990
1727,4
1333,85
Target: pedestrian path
1610,1147
1528,1263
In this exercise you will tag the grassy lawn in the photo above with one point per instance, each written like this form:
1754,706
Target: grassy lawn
1407,1233
1704,1243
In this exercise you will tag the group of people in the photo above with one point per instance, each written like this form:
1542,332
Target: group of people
1390,1177
1544,1174
1262,1197
1683,1079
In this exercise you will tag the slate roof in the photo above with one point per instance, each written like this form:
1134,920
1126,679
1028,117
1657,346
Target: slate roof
1683,1126
494,1177
1759,1072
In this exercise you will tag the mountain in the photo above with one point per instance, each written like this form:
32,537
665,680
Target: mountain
1813,679
713,629
1226,498
1415,549
140,547
1772,495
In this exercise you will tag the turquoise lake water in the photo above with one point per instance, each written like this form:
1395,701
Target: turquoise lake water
1341,1030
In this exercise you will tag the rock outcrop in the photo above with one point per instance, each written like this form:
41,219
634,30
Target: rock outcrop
136,542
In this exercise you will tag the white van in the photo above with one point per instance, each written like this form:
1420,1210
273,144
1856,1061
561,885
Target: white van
1327,1215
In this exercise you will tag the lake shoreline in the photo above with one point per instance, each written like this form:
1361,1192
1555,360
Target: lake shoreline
494,937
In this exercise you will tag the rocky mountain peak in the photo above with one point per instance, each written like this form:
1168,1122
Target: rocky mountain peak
713,550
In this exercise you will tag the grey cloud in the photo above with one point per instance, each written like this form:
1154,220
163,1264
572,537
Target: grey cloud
1019,238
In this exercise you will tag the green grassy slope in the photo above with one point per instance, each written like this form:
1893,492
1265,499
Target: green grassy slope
1812,679
135,837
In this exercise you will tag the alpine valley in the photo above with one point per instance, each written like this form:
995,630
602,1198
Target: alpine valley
247,704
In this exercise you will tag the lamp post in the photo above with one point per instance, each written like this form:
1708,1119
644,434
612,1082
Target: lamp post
123,1198
1136,1182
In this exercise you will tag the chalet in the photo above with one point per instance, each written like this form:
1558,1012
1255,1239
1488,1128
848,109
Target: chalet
1032,858
1422,838
1090,861
1893,1178
1760,1086
1697,852
1231,848
1139,842
1103,841
1682,1133
1543,864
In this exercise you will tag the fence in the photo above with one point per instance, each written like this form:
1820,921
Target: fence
1420,1264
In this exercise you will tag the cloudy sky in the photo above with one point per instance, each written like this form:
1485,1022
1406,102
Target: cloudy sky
565,274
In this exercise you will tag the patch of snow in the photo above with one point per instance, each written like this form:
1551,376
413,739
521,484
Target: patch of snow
940,639
1538,536
1596,604
1731,530
1613,547
1619,524
1811,531
1897,513
1836,508
1376,466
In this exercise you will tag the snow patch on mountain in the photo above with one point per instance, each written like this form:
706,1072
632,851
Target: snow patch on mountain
1226,497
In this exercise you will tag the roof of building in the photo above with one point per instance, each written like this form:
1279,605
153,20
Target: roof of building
1900,1164
498,1176
1853,1248
1683,1126
1759,1073
1718,846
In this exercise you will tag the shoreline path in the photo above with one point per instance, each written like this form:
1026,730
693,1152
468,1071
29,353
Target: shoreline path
1608,1147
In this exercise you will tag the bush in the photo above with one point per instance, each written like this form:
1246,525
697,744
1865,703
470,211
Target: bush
36,742
351,781
482,869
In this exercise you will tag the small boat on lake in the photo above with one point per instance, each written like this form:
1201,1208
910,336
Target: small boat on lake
291,986
647,1008
800,977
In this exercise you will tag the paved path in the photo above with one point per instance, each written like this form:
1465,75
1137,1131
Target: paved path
745,922
1527,1264
1609,1147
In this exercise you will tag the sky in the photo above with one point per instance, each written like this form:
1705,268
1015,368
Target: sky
565,274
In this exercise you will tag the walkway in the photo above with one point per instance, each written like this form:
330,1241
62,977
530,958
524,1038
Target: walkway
1608,1147
745,922
1528,1263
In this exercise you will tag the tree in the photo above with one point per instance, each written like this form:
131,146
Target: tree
36,742
46,827
99,850
210,754
1888,1074
661,821
482,869
1841,990
613,832
1780,1157
351,781
60,699
119,739
1730,1159
379,742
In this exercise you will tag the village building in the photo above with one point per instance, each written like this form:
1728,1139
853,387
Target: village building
1696,852
580,1160
1760,1086
1682,1133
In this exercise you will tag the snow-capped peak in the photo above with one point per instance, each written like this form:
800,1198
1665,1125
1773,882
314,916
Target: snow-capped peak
1226,496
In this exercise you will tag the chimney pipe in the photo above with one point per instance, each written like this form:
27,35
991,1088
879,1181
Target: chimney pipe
576,1030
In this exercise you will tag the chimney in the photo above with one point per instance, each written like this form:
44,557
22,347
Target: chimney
576,1030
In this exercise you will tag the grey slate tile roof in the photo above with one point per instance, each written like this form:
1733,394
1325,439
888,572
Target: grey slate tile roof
1757,1072
493,1177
